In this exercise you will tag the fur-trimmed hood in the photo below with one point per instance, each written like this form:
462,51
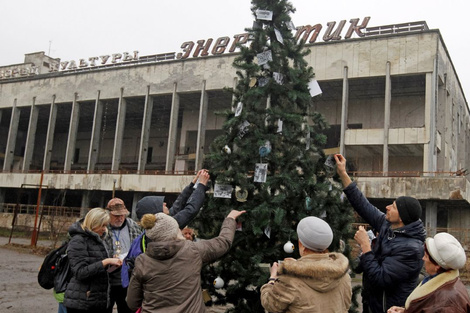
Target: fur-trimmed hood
431,286
321,272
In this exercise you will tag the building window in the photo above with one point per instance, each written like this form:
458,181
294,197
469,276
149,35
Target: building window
149,155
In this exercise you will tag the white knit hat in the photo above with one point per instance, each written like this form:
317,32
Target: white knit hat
166,228
314,233
446,251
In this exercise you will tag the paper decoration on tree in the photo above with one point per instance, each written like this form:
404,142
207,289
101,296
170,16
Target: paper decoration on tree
314,88
307,141
223,191
264,15
289,247
290,25
243,129
265,150
266,66
267,231
279,78
241,195
308,203
264,57
279,36
239,109
239,226
218,282
263,81
261,171
279,126
330,164
226,149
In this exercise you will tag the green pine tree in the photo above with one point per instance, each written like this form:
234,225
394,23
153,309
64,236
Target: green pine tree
276,115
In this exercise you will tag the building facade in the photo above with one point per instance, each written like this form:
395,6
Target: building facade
84,130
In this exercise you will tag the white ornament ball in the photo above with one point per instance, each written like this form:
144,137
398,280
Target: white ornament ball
226,149
218,282
289,247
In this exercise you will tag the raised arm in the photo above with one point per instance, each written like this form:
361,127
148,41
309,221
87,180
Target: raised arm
194,203
341,170
214,248
182,199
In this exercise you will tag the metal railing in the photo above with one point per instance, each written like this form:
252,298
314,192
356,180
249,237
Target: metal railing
396,28
49,210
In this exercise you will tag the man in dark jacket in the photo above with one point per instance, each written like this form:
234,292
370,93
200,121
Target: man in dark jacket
393,265
121,233
184,209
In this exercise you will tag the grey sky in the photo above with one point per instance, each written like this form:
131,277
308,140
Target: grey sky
71,29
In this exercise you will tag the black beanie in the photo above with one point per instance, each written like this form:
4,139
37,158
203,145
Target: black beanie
149,205
409,209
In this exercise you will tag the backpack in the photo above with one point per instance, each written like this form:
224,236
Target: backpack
55,270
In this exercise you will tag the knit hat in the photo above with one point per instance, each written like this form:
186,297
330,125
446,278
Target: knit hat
117,207
165,228
149,205
446,251
409,209
314,233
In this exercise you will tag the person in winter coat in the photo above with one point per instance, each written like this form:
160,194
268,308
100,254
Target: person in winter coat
122,231
185,208
87,290
317,282
167,277
392,266
441,291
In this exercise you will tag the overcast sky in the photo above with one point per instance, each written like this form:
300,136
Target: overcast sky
75,29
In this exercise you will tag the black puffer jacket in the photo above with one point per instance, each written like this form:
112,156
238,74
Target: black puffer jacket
88,288
393,266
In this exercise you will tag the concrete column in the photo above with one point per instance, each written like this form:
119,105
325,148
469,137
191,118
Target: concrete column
85,205
173,129
11,141
145,132
430,154
72,137
50,136
119,135
388,100
31,136
201,128
431,218
95,134
344,110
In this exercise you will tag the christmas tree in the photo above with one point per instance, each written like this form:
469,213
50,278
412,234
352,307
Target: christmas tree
269,161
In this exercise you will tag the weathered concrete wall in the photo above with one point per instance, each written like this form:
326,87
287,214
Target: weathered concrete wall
364,58
418,187
58,223
125,182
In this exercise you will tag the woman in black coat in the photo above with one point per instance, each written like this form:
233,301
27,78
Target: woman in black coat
87,291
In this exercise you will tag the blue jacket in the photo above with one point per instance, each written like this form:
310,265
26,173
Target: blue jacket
393,266
184,209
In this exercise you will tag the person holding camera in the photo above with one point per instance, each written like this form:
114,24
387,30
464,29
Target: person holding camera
317,282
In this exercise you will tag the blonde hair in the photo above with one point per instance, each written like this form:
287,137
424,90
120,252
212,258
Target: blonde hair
95,218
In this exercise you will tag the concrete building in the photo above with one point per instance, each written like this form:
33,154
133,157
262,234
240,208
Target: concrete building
134,125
